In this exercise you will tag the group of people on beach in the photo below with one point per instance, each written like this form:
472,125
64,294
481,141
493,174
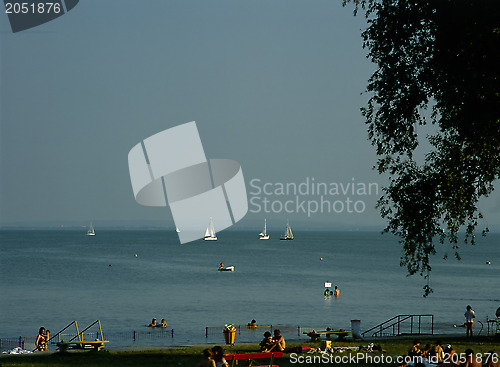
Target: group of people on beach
273,344
163,323
446,356
213,357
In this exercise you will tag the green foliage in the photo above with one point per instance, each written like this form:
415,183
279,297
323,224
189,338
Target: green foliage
438,63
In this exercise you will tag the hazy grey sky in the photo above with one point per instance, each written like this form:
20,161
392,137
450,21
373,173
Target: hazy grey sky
273,84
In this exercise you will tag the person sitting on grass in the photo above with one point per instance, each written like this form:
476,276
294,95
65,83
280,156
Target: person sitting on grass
472,360
267,343
218,356
207,360
436,354
415,351
279,341
451,360
492,358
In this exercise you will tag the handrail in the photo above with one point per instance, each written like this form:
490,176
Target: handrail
400,319
79,334
88,327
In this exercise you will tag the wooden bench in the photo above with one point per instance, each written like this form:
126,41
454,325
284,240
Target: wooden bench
86,345
315,335
253,356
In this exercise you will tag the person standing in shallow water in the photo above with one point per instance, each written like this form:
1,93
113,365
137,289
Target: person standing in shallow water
336,293
469,320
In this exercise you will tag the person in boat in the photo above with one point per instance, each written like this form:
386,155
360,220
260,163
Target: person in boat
252,324
218,356
153,323
41,341
336,292
327,292
163,323
267,343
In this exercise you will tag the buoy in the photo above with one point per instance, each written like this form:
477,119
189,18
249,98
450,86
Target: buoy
135,255
488,263
321,258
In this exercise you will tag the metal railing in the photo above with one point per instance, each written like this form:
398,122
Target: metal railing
403,325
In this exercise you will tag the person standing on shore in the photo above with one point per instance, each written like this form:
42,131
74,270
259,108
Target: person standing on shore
469,320
41,340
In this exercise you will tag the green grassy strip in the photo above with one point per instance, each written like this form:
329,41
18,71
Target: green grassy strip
191,355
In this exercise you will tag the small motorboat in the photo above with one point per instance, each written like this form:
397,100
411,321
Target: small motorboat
227,268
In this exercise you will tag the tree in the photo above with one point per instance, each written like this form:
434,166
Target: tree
438,63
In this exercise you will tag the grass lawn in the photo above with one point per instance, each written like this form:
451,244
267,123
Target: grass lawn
191,355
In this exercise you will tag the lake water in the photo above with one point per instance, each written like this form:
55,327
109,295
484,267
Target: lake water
51,278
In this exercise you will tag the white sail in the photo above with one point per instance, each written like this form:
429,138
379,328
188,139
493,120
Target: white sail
263,234
210,232
288,232
91,231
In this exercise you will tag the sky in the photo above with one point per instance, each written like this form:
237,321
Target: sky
276,85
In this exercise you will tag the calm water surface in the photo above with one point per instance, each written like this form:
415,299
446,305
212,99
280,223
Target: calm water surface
51,278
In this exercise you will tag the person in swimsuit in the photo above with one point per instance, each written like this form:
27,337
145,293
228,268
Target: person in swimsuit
41,340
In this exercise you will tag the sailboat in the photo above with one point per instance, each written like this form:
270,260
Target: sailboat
91,231
288,232
263,235
210,232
